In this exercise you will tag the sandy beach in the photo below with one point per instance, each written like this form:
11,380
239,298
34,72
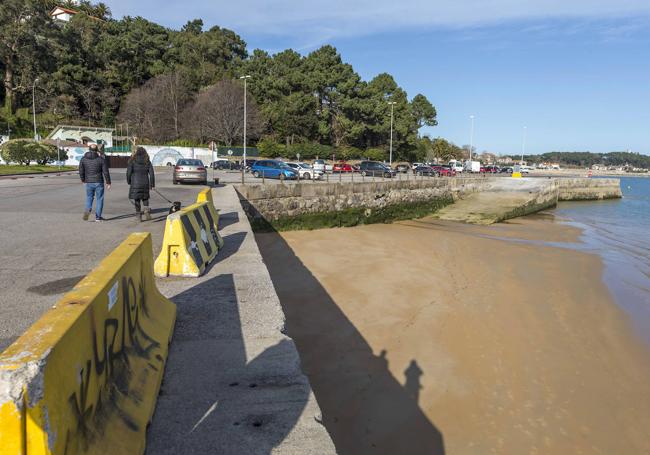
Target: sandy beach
427,336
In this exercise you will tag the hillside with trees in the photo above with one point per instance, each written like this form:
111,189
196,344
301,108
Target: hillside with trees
588,159
182,86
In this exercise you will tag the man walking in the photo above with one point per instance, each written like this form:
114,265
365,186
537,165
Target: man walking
93,170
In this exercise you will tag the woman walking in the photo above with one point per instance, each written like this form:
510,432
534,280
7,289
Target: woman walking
140,177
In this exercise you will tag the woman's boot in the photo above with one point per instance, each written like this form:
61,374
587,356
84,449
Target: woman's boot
139,215
147,214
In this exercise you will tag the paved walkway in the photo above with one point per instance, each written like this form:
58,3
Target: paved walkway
233,383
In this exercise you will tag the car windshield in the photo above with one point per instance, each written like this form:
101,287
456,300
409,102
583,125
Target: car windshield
282,165
190,163
304,166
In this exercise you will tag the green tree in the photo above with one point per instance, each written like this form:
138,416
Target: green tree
25,31
423,111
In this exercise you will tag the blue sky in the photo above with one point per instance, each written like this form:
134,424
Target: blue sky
575,73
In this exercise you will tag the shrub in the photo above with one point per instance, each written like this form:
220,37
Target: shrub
348,152
376,154
269,148
24,151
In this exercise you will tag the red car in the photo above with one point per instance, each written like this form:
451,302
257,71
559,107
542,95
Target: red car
444,171
342,168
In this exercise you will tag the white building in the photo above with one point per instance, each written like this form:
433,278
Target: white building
62,14
83,135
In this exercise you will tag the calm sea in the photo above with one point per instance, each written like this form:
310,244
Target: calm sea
619,231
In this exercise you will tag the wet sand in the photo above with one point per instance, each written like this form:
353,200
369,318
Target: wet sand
433,337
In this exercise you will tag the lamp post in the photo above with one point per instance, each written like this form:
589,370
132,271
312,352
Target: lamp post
390,156
243,170
471,137
34,107
523,146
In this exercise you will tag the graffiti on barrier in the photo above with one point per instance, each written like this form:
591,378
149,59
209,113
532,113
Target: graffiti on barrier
106,381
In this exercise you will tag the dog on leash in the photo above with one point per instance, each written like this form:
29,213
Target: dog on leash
176,206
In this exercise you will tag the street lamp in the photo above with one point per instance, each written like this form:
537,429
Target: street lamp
390,156
471,137
243,171
523,146
34,107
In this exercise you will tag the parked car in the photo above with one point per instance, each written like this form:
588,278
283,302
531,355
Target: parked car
403,168
321,165
220,163
492,169
342,168
189,170
305,171
414,165
272,169
375,169
506,170
444,170
426,170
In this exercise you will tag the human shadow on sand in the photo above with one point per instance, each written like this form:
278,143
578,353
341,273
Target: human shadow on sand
365,408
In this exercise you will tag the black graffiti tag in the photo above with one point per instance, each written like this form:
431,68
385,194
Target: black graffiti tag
114,345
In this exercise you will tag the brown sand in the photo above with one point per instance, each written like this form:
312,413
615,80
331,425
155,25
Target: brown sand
429,337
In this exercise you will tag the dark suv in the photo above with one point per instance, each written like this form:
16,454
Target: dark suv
375,169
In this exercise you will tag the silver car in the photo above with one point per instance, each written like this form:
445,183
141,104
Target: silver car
187,170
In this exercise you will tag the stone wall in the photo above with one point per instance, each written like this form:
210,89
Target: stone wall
583,189
490,199
296,206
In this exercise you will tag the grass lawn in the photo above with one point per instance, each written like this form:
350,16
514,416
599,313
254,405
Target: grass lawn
6,169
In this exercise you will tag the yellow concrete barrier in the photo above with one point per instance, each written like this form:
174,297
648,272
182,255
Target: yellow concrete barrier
85,377
516,175
191,239
205,196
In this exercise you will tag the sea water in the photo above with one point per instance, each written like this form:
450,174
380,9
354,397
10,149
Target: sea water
619,231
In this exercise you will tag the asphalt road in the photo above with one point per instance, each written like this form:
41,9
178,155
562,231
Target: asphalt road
46,247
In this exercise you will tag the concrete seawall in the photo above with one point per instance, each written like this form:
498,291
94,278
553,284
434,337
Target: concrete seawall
583,189
481,200
310,205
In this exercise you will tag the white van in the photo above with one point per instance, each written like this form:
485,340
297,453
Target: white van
456,165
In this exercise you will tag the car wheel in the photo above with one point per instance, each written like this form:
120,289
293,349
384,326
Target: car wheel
282,177
387,175
169,164
363,173
306,176
256,174
175,182
419,174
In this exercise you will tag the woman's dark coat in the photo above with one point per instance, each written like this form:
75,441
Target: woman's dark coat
140,177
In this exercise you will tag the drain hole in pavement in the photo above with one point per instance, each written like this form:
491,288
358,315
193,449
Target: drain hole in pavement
236,423
233,384
252,386
257,424
56,286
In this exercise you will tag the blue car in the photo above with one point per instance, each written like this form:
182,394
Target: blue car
272,169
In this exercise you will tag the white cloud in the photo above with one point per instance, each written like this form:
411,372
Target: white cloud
321,20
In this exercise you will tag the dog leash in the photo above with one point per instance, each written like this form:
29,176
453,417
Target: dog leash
158,192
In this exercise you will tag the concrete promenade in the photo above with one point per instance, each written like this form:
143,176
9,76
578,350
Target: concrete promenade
233,384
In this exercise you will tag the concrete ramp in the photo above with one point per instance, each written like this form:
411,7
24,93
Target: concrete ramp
502,199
